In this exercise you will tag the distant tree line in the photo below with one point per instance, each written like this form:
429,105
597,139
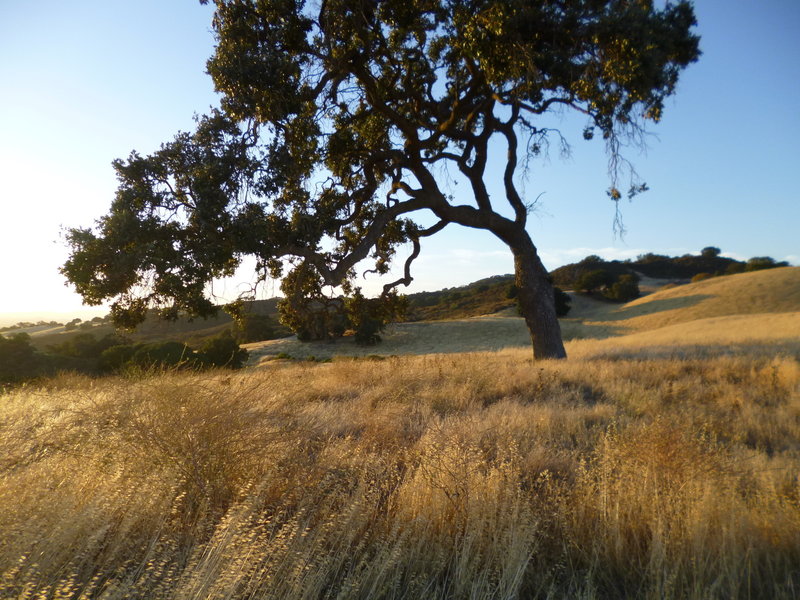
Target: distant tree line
28,325
618,280
85,353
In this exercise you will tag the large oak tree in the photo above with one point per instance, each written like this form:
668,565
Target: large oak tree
335,121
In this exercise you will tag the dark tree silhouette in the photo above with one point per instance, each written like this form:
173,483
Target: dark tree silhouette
336,120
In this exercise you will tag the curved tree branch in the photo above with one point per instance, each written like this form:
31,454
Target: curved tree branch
406,279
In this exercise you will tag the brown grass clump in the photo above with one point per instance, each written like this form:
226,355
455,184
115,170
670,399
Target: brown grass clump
445,476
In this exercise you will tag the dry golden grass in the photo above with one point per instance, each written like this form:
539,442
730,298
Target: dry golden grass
769,291
750,307
439,476
660,464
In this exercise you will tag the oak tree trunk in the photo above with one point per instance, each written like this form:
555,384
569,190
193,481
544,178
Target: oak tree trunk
536,301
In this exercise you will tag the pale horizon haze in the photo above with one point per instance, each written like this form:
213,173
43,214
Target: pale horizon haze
85,82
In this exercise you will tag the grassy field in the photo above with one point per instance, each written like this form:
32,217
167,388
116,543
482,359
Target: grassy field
662,463
763,306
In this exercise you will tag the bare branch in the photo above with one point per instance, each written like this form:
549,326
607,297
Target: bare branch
407,279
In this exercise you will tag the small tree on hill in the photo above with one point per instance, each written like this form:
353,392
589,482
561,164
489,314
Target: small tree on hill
336,119
757,263
626,288
594,280
222,351
252,327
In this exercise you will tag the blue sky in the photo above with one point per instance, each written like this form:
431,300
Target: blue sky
84,82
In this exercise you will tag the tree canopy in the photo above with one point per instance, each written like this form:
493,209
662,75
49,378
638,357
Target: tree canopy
336,121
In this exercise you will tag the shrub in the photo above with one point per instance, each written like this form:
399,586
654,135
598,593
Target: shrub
626,288
757,263
255,327
594,280
307,311
734,268
116,357
367,334
162,354
85,345
701,277
222,351
19,359
562,300
369,316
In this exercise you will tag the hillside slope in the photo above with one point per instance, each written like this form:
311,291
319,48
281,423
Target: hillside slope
758,306
769,291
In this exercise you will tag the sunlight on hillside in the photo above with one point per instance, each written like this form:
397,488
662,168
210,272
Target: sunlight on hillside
767,303
768,291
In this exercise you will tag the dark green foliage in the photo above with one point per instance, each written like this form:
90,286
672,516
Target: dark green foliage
367,332
253,327
85,345
380,97
369,316
162,354
613,280
757,263
314,316
563,301
684,267
116,358
569,276
18,359
709,261
222,351
594,280
626,288
219,351
660,266
735,267
307,310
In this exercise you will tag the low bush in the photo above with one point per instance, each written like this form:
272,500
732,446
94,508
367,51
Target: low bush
625,289
221,351
563,301
701,277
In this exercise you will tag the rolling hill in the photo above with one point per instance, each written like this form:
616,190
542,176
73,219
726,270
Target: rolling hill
762,305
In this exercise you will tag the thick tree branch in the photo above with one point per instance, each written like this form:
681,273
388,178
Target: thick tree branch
406,279
507,129
334,276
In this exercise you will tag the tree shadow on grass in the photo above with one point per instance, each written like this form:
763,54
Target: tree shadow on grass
483,334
